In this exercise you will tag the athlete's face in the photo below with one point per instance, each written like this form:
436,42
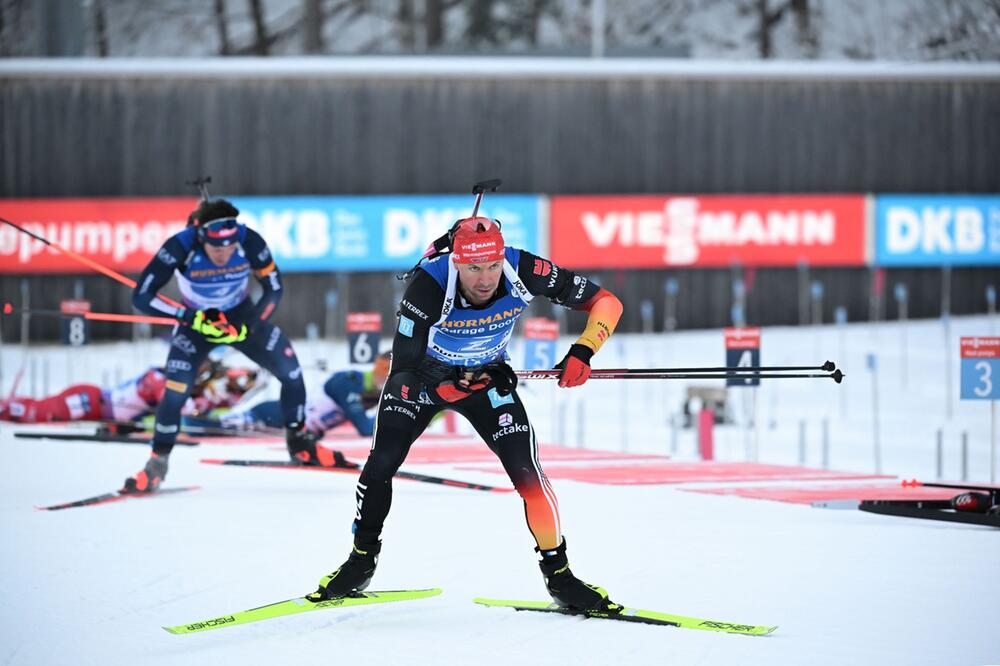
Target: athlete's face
479,281
219,255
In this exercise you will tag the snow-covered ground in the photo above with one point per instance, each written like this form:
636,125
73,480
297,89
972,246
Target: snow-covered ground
94,585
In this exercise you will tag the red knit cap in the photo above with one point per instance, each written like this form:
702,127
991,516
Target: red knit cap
477,241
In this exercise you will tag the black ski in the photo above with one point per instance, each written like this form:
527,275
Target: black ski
116,496
855,504
928,510
354,467
105,438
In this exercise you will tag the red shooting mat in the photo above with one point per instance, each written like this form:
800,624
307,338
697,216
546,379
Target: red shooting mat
810,494
479,452
697,472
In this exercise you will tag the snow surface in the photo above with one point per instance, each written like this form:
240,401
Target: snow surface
94,585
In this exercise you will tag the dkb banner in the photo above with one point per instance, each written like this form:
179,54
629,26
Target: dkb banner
930,230
375,233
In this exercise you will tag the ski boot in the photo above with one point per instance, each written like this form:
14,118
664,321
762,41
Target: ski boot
305,449
149,478
352,576
566,589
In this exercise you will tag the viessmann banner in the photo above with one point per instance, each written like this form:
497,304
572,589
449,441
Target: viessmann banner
937,230
304,233
704,231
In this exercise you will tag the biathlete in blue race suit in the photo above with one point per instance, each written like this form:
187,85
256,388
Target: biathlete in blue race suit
455,321
213,259
345,396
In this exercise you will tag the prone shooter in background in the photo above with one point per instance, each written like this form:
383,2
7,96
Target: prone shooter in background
345,396
131,400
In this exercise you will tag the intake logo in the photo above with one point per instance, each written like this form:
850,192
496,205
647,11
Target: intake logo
509,430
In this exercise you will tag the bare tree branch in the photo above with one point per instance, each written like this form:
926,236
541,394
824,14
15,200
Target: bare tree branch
312,14
222,27
100,28
260,29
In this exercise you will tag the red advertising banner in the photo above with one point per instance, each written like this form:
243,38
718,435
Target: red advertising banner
364,322
704,231
121,234
742,338
980,347
539,328
74,307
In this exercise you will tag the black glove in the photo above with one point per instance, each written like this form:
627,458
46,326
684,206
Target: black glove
502,376
405,385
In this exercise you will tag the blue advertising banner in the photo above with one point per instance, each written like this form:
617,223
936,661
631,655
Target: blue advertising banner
323,233
932,230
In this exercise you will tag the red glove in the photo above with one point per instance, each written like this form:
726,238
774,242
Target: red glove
453,391
575,366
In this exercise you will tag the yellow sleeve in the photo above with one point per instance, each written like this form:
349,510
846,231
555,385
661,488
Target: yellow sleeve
605,310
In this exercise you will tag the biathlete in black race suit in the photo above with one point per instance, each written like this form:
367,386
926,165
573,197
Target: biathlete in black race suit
449,350
213,259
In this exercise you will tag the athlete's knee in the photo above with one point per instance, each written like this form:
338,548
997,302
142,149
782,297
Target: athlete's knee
380,467
290,376
527,483
169,409
294,378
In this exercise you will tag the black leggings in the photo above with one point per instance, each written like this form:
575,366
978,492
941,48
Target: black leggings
503,424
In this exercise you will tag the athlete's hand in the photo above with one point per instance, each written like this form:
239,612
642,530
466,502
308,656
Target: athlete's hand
454,390
575,366
405,385
195,318
503,377
216,328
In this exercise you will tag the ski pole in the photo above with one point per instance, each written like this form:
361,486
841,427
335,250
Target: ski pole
114,275
828,366
102,316
914,483
836,375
